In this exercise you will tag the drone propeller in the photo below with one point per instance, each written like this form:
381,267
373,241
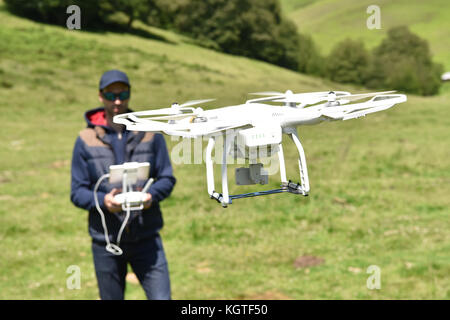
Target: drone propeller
355,97
172,117
287,97
172,110
267,93
308,98
341,96
192,102
175,112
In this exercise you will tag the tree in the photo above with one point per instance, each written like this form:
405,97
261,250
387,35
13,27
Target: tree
94,14
309,59
54,11
403,62
348,62
135,9
252,28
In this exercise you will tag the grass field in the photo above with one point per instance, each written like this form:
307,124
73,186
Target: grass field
379,185
331,21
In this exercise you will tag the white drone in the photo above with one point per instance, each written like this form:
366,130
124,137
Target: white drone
445,76
257,123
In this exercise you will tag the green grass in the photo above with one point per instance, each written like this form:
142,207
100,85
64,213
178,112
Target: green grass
331,21
379,185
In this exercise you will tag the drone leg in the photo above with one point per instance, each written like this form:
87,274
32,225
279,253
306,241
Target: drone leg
282,165
301,163
225,195
223,199
209,166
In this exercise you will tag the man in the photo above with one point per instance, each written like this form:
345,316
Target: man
101,144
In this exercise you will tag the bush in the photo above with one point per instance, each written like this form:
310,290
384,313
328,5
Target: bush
403,62
348,62
94,14
251,28
54,11
309,59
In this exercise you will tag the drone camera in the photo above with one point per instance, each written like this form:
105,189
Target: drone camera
255,174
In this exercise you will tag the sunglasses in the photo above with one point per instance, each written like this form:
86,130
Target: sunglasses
111,96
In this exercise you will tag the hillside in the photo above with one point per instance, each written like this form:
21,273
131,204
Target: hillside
379,185
330,21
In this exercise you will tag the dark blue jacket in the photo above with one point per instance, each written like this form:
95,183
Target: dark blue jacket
99,146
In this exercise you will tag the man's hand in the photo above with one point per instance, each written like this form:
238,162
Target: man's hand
112,205
147,201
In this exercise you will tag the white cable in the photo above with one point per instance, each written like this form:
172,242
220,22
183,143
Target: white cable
110,247
119,236
147,185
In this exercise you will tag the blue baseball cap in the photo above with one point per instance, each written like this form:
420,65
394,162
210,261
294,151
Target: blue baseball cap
112,76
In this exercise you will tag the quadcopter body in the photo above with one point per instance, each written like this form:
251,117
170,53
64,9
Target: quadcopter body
258,123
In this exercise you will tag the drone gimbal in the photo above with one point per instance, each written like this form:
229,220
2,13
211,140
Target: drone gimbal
255,173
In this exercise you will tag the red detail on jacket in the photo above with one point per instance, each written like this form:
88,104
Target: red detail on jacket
98,118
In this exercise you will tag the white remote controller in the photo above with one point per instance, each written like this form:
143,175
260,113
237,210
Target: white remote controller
133,197
132,200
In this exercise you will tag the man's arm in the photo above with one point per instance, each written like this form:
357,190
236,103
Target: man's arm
165,181
81,193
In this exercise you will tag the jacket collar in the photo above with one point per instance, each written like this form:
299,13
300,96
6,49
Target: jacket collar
96,119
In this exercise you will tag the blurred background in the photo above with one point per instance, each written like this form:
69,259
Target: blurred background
379,185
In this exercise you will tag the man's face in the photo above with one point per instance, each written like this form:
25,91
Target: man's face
117,106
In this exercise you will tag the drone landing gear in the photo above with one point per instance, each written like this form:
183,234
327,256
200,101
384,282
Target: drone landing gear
291,187
224,198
